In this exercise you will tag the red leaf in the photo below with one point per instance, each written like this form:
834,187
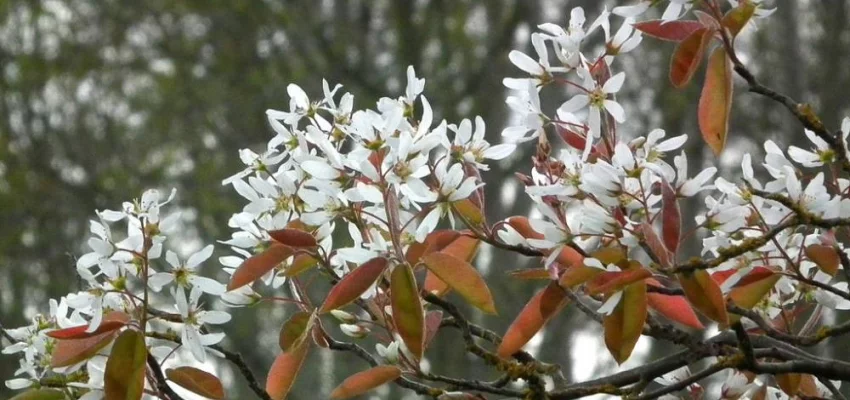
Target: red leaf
463,278
433,319
674,31
624,325
523,227
124,377
407,309
671,218
197,381
283,372
608,282
715,102
536,313
654,243
354,284
687,57
571,137
294,238
365,381
71,351
433,284
301,262
676,308
79,332
704,294
258,265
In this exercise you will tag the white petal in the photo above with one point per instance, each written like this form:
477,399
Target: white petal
214,317
199,257
614,83
574,104
319,169
525,63
208,285
615,109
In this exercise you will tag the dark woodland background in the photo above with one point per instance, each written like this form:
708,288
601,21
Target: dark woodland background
100,100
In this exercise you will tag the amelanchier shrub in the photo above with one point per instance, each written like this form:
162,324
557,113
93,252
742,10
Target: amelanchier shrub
771,263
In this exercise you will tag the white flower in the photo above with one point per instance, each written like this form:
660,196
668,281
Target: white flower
527,108
389,352
596,97
822,153
185,275
472,148
193,319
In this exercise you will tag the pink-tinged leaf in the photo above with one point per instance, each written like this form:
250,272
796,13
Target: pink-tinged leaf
365,381
295,330
752,288
687,57
433,284
715,102
789,383
609,282
40,394
72,351
675,308
659,250
283,372
463,278
704,294
570,136
258,265
301,262
79,332
674,31
536,313
294,238
523,227
569,257
197,381
433,320
826,258
671,218
124,377
576,275
407,313
736,19
624,325
530,274
354,284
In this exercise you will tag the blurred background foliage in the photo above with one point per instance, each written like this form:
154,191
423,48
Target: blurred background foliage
102,99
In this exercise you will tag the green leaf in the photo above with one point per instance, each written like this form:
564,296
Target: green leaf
124,378
197,381
715,102
463,278
407,309
350,287
687,57
365,381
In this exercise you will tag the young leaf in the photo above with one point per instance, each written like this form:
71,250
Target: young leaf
704,294
295,330
715,102
577,275
625,324
365,381
433,284
124,377
671,218
463,278
659,250
530,274
433,319
789,383
469,212
536,313
354,284
197,381
72,351
737,18
826,257
608,282
294,238
674,31
258,265
675,308
283,372
752,288
301,263
523,227
407,309
79,332
40,394
569,257
687,56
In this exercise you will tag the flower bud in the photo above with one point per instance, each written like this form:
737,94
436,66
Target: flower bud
343,316
355,331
